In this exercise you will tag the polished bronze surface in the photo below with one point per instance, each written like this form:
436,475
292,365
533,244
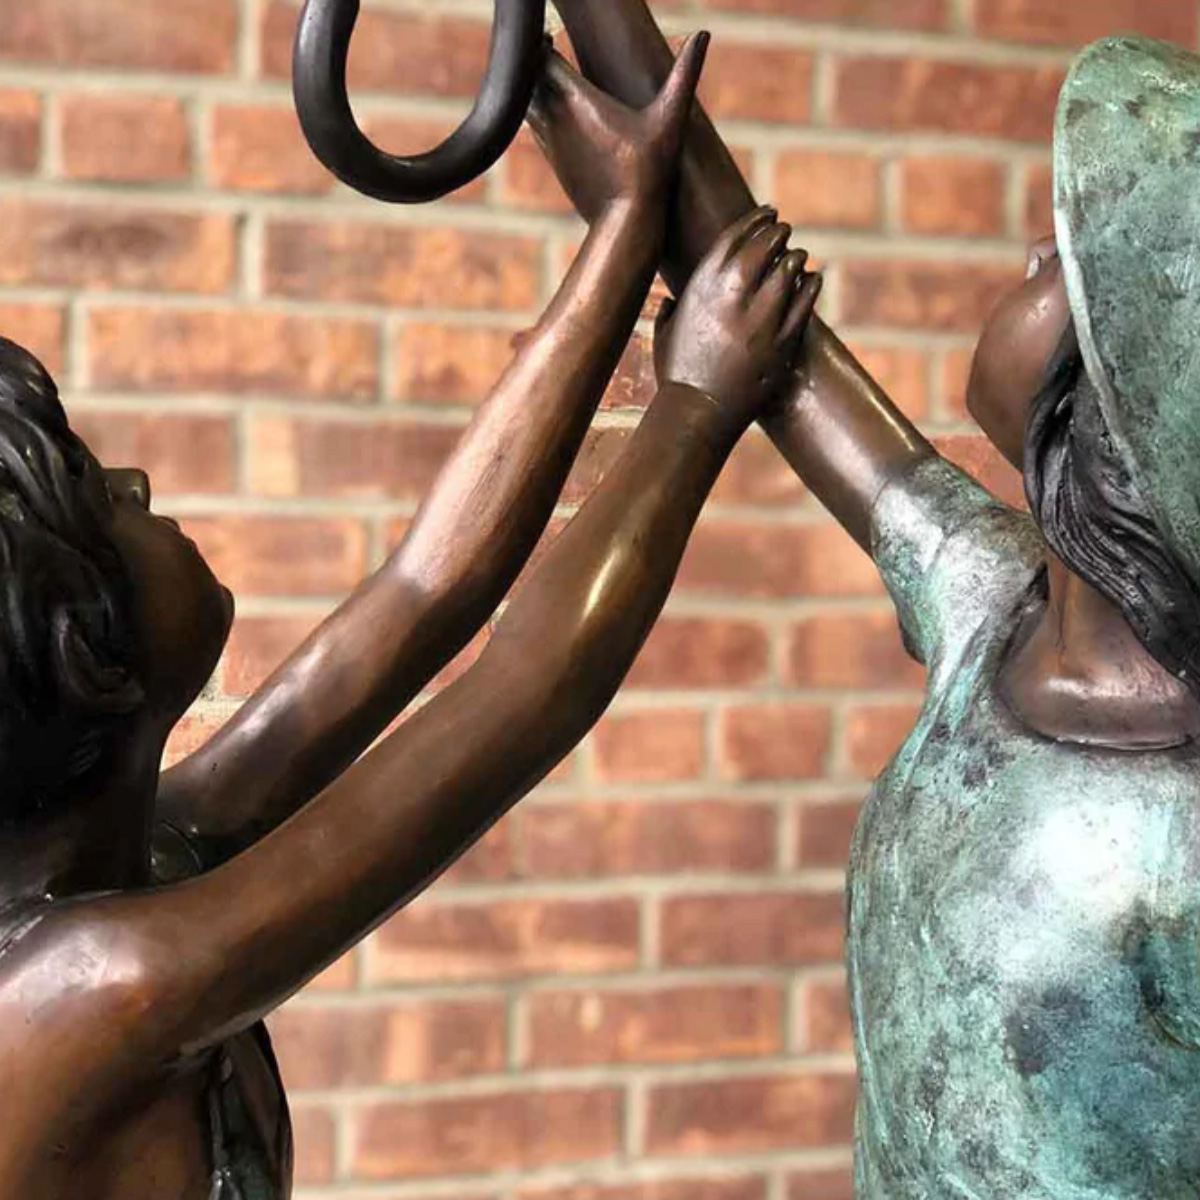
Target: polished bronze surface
148,924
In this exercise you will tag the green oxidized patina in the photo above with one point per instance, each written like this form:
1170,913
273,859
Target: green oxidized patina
1024,915
1127,212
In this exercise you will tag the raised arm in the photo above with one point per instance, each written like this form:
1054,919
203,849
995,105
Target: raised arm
835,425
490,504
258,927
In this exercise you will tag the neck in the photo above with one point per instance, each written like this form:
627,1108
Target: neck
100,842
1082,675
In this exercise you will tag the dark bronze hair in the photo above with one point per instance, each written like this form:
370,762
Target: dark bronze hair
1096,520
66,626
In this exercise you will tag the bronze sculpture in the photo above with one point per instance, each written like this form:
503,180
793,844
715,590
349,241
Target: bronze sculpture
147,925
1024,898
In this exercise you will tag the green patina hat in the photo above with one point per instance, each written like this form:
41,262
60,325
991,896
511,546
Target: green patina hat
1127,211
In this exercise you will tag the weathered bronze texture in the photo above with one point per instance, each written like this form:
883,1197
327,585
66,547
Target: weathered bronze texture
1024,886
148,924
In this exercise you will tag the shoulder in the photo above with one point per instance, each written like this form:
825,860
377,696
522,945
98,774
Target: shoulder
952,556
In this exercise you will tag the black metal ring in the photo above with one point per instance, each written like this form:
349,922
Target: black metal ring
319,85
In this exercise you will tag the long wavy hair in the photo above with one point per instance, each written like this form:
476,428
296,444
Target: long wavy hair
1096,519
67,673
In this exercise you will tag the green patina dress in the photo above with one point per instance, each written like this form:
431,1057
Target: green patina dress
1024,915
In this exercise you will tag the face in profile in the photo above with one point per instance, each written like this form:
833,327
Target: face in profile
1016,349
182,614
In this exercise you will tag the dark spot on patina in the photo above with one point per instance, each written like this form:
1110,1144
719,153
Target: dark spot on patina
1078,109
1135,108
931,1083
1042,1024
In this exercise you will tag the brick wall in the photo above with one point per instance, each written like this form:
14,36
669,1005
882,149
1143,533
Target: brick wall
631,990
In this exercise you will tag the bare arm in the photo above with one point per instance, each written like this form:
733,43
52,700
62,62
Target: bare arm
486,511
258,927
835,425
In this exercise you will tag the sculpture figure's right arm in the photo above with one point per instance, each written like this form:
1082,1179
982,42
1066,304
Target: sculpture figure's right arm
835,425
488,506
199,961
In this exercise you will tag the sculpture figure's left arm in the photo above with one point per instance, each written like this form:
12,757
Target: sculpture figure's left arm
488,507
257,928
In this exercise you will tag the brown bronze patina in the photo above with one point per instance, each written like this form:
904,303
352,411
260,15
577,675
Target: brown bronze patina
147,923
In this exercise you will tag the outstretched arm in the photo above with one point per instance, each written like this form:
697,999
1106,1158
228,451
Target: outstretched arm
835,424
258,927
490,504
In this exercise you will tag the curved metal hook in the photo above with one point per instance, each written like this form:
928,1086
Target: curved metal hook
319,85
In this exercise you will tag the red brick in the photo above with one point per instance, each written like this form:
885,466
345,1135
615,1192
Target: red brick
316,1144
341,977
824,829
745,82
529,182
331,1046
851,650
259,644
768,929
182,453
980,99
127,139
944,194
20,130
681,1024
830,189
474,1134
583,839
114,247
196,729
955,379
188,35
1069,23
749,559
774,741
739,1116
902,372
40,328
360,262
823,1022
702,652
653,746
934,297
491,860
347,460
1039,202
883,14
282,556
757,474
821,1185
260,148
506,939
237,351
412,53
978,457
449,364
874,732
738,1188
